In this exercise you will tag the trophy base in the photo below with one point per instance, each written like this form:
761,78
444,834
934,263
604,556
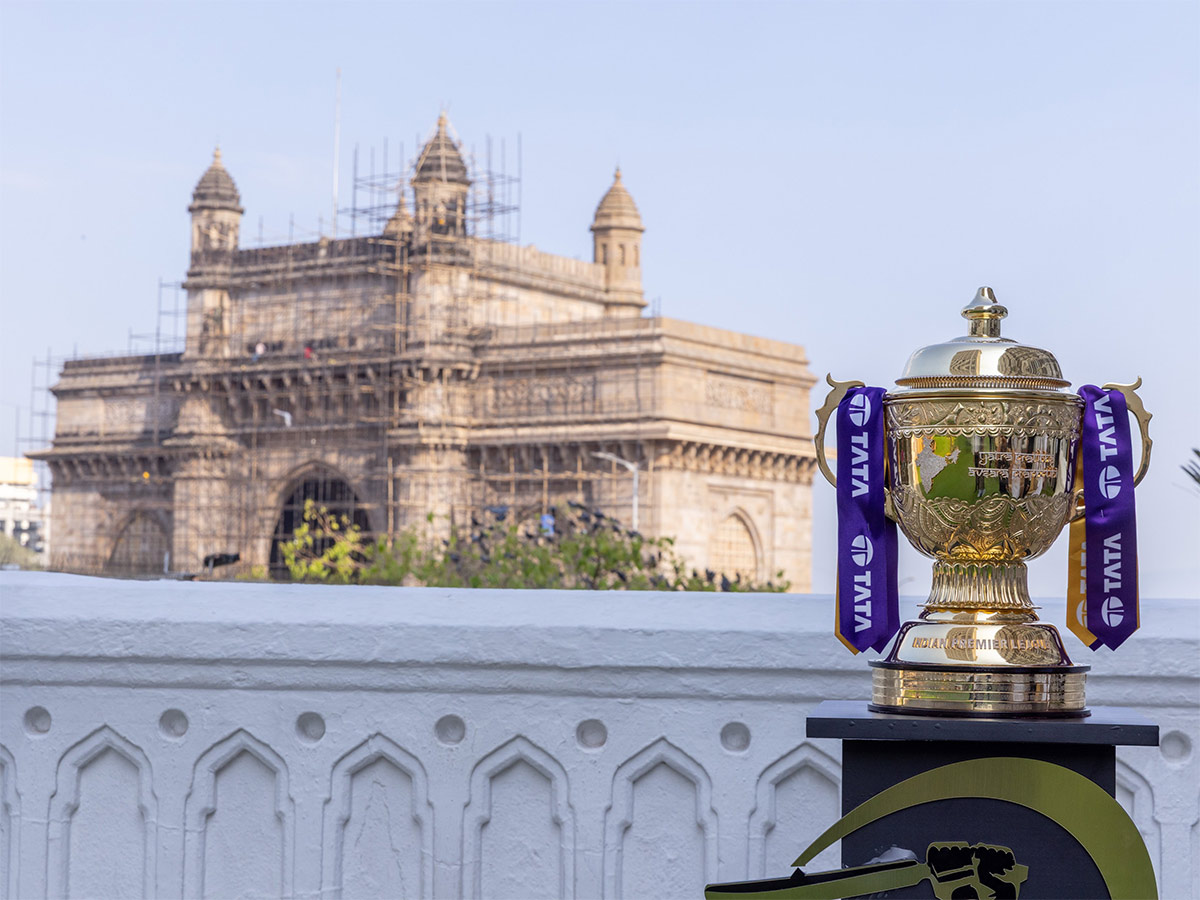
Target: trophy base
979,669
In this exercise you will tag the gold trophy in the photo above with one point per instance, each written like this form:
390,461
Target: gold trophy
981,446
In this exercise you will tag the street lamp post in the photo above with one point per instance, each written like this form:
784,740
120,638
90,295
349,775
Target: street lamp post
632,467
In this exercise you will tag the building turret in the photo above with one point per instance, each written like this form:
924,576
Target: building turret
440,184
400,225
617,245
216,210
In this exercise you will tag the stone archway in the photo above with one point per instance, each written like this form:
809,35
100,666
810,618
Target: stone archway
734,548
325,489
141,547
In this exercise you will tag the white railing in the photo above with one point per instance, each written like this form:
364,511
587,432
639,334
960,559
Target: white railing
227,740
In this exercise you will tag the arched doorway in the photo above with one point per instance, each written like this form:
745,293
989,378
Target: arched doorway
141,547
733,550
324,489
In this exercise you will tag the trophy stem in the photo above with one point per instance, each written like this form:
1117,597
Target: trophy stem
1001,587
979,650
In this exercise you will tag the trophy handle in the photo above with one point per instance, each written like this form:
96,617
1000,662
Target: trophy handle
1134,404
831,403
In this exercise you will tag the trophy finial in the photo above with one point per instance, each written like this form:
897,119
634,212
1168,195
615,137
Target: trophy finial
984,313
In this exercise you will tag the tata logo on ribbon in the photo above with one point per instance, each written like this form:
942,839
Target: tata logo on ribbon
861,550
1113,611
1105,427
860,409
860,463
1110,482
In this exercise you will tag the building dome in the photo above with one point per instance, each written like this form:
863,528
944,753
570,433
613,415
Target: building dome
440,160
215,189
617,209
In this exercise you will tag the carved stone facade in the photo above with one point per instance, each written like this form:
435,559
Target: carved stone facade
420,377
311,741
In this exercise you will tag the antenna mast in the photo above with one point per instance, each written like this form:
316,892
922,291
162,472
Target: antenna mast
337,127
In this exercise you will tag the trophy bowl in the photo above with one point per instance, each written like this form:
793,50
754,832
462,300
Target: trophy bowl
981,448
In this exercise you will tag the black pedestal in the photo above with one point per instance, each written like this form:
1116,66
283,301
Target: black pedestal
881,750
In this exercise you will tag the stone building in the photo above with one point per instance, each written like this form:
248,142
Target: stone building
425,373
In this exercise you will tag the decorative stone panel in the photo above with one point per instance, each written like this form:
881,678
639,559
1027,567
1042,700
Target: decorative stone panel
169,739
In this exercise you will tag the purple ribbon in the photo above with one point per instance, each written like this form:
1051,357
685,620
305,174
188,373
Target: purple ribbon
1111,526
868,605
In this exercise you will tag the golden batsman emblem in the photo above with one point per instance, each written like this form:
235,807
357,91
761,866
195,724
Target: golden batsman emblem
981,446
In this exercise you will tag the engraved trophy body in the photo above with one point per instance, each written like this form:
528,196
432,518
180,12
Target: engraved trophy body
981,449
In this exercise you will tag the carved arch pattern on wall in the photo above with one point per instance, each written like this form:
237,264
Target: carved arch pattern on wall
65,801
764,816
202,802
619,815
140,546
337,809
10,817
1141,808
478,811
723,557
325,484
310,468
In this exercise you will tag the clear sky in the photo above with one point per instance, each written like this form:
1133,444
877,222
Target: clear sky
841,175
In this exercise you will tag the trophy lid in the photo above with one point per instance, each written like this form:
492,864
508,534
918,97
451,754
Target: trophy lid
981,359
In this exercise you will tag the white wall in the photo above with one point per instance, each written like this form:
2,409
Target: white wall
173,739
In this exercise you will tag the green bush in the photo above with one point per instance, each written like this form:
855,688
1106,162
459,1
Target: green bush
586,551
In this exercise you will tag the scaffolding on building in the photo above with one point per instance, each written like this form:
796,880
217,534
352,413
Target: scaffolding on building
331,371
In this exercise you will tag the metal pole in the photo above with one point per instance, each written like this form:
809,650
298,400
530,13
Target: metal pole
632,467
635,498
337,128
